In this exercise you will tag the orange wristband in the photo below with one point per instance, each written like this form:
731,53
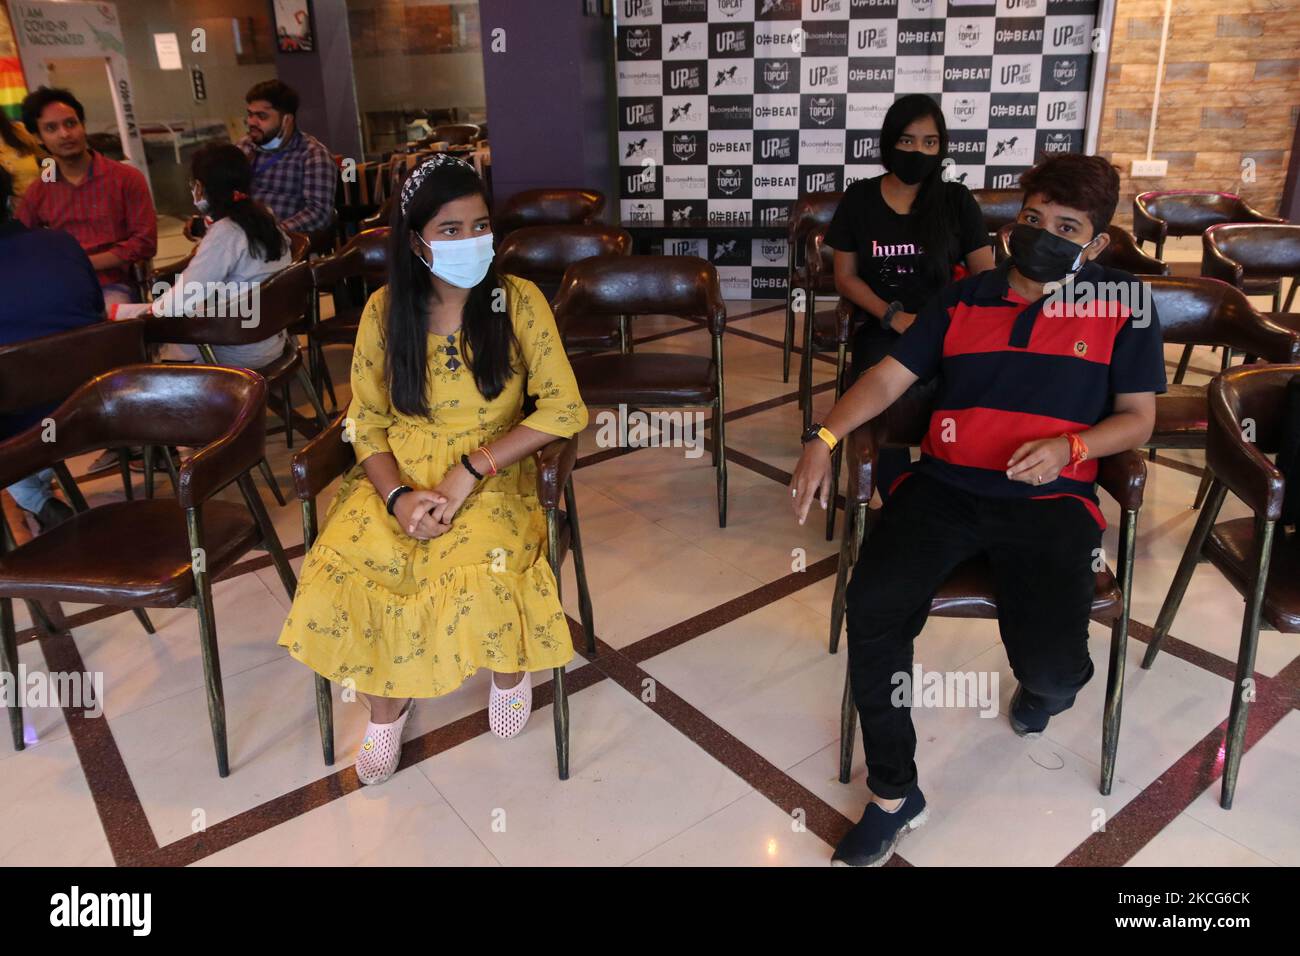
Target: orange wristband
492,462
1078,449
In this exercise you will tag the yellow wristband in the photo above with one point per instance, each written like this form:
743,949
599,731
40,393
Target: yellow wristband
825,435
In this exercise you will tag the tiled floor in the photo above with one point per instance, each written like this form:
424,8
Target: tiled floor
706,730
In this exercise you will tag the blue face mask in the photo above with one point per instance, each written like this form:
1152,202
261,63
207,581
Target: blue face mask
271,145
460,262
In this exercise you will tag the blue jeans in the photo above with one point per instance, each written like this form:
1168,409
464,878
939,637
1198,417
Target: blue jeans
32,492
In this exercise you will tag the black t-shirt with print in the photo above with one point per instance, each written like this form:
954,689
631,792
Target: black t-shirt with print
888,244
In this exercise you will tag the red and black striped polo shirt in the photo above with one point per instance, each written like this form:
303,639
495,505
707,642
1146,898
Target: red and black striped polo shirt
1013,371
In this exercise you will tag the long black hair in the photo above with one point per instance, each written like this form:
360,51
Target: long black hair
9,133
227,179
930,208
488,335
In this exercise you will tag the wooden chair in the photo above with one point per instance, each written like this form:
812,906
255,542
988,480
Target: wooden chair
45,371
968,593
812,212
361,266
181,544
551,206
1254,258
1000,207
1157,215
328,456
684,286
541,254
1261,564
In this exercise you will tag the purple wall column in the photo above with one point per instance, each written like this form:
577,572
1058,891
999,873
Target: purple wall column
549,97
323,79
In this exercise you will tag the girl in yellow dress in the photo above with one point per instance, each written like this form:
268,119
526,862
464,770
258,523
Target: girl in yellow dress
20,154
432,560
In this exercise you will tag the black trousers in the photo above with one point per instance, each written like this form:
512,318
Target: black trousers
1041,554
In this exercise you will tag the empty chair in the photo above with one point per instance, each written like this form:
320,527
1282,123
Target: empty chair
969,591
349,275
1261,564
682,286
1254,258
1157,215
552,206
177,545
811,213
542,253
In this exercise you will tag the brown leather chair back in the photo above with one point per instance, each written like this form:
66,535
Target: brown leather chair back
269,307
1188,212
547,207
299,246
1240,251
323,459
52,367
811,212
998,206
541,254
365,257
684,286
222,409
1197,311
1254,393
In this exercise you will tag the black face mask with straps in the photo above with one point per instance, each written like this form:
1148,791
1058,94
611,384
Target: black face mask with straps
1043,256
911,165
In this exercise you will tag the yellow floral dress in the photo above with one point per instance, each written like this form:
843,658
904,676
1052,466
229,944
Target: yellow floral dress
402,617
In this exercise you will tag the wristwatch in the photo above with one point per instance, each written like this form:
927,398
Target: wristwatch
818,430
887,320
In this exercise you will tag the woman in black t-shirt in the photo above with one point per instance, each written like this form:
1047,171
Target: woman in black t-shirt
901,237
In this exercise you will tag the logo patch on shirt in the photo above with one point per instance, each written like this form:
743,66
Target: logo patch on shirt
1081,348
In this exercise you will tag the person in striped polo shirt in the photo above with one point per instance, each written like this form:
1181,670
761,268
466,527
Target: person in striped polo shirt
1046,364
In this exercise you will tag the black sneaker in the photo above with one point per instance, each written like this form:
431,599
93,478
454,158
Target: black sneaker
874,838
52,514
1026,720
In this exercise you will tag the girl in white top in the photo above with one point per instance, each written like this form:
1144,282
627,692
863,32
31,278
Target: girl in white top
243,246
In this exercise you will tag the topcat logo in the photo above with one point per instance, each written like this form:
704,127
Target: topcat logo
730,41
1069,34
921,6
964,110
684,147
1065,71
828,75
872,38
968,34
776,74
1017,74
821,109
731,8
773,250
1056,143
638,9
640,40
729,180
641,212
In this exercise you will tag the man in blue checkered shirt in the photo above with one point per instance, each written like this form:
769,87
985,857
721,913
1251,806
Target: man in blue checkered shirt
293,173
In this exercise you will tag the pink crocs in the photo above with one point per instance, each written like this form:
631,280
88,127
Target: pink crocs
508,710
381,749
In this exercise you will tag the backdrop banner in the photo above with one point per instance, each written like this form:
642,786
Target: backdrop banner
731,109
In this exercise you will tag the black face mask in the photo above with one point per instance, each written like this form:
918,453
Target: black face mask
1041,255
911,165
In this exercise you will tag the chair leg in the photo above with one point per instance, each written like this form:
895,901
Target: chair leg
270,540
314,397
264,467
722,463
124,467
208,645
1186,567
288,414
787,345
1240,708
1183,362
143,617
848,728
148,471
9,667
854,524
1290,296
1118,654
580,570
561,710
806,360
1202,489
325,716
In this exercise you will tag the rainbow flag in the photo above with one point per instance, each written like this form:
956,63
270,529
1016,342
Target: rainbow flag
12,86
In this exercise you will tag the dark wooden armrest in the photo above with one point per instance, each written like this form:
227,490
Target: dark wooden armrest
1124,478
1238,463
555,461
1215,265
218,463
322,460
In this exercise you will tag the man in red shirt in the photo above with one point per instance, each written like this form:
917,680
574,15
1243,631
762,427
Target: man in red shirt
104,204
